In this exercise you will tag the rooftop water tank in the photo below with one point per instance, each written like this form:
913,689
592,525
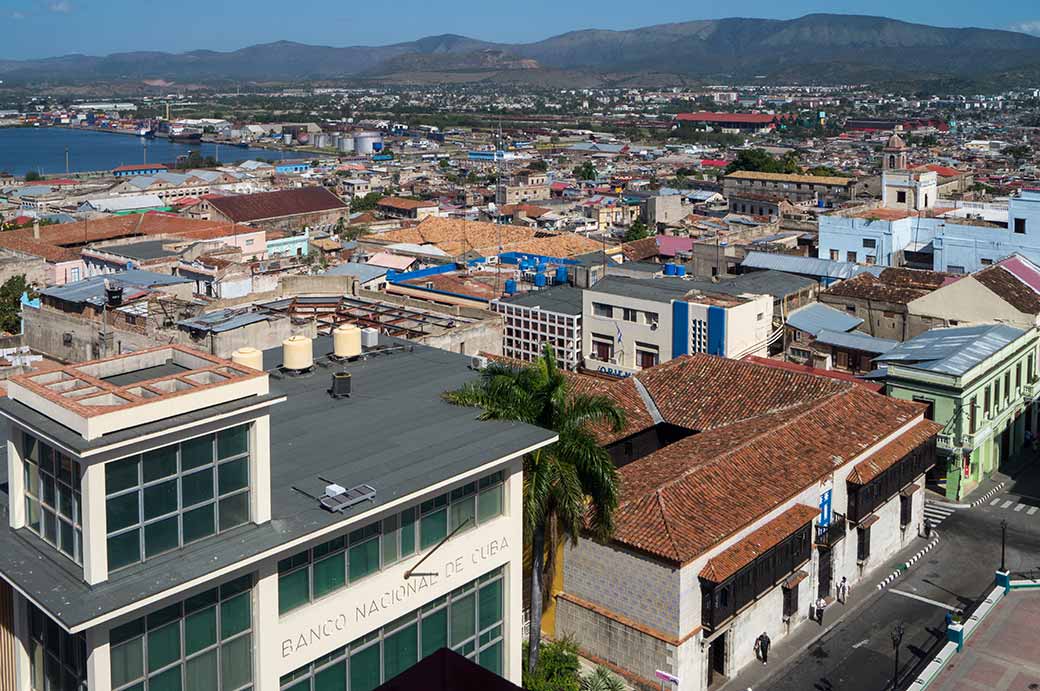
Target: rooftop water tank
561,274
680,270
346,341
248,357
669,269
297,353
369,337
539,280
510,286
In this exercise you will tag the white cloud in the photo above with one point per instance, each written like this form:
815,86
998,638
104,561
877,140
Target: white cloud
1027,27
60,6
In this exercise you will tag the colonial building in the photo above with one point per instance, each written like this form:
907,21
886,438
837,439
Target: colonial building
827,190
980,383
176,520
747,493
313,207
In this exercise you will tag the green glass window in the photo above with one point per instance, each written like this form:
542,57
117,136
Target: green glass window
157,464
124,549
491,658
330,574
173,495
204,641
232,442
293,590
196,452
463,619
407,532
363,559
400,650
434,631
489,504
433,528
462,513
200,630
365,669
390,538
121,475
490,604
332,678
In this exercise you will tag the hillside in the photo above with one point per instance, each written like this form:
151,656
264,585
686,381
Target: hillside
815,48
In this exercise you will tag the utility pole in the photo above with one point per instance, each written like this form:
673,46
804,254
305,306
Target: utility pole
897,641
1003,545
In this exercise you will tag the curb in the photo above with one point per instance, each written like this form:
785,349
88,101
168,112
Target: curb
988,494
902,568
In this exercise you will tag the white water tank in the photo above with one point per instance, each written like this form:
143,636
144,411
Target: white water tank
345,144
248,357
297,353
369,337
346,341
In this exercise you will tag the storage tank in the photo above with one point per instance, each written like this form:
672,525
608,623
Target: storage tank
287,139
669,269
561,274
345,145
369,337
346,341
539,280
510,286
680,270
367,143
297,353
248,357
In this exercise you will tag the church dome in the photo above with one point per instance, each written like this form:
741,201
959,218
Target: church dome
895,142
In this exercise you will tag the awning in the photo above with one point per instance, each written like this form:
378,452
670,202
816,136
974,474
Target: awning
868,521
795,578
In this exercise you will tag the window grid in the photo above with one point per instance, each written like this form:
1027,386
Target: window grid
53,503
314,573
483,645
231,651
147,492
57,660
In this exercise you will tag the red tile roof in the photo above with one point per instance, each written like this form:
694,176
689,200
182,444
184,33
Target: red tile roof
887,457
139,166
264,205
406,204
764,435
731,118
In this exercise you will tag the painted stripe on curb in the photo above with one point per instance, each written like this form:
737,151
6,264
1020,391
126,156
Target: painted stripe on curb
989,494
889,579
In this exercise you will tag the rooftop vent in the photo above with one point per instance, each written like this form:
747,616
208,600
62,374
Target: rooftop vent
340,385
113,294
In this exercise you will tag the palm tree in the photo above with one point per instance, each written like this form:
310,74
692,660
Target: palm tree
568,485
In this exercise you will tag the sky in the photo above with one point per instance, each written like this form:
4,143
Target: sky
47,28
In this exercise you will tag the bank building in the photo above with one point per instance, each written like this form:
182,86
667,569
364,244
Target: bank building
309,518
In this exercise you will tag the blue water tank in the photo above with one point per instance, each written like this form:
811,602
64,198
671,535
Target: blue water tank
669,269
561,274
680,270
542,266
540,280
510,286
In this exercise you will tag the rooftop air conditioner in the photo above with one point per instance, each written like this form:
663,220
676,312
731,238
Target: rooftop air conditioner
478,362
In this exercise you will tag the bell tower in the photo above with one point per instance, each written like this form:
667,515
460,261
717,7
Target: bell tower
894,154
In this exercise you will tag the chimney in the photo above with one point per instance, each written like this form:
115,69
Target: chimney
36,229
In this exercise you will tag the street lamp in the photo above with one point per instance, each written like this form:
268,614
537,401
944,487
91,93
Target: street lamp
1003,544
897,641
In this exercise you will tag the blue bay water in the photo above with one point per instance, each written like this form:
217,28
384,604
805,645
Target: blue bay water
43,149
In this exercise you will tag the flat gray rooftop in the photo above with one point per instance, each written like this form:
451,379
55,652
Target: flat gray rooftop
563,299
394,433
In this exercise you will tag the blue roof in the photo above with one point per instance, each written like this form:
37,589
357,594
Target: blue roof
809,266
856,340
818,317
952,351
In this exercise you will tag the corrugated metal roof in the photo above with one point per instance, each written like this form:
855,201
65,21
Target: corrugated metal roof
809,266
952,351
363,272
222,320
856,340
135,283
818,317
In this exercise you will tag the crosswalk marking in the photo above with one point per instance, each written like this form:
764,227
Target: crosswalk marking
1031,511
1020,507
1006,504
936,513
995,502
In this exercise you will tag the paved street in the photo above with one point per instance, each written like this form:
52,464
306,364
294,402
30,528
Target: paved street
857,654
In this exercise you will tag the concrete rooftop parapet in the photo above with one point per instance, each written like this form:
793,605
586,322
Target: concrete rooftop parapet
102,396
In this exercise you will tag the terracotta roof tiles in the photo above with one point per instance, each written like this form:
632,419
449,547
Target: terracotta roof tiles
732,559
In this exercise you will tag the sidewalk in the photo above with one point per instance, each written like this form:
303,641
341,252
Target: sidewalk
788,649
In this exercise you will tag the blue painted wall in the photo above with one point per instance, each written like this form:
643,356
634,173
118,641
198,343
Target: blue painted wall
680,328
716,331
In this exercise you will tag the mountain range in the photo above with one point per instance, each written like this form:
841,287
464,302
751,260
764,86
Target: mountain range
818,48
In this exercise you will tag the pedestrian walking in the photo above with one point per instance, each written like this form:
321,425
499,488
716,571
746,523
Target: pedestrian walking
843,590
821,605
762,648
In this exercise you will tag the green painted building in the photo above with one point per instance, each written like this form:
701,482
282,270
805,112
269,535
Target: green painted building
981,383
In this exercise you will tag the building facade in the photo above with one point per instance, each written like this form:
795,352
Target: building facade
193,543
980,383
632,324
550,316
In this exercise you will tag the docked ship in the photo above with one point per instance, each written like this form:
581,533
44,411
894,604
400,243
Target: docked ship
183,136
